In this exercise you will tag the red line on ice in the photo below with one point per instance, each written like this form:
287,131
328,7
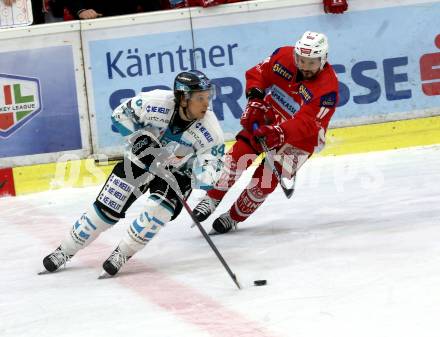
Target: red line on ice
183,301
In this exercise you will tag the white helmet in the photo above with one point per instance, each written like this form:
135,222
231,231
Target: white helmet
313,45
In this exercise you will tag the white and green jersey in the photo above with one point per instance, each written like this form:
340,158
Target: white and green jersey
198,147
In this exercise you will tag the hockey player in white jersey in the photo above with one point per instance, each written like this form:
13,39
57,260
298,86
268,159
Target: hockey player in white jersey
175,143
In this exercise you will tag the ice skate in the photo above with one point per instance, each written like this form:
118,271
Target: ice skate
55,260
223,224
114,263
205,208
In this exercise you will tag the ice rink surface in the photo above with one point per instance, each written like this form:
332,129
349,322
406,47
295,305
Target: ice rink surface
354,253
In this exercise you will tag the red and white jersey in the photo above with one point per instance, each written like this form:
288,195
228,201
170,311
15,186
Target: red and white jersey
303,107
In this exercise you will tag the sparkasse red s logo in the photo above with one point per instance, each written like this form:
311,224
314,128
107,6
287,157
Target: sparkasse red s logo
430,71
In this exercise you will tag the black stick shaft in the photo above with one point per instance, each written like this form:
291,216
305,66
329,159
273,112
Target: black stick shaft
173,184
287,191
211,244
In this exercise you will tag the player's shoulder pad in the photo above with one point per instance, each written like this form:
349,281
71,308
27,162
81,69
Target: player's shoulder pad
328,77
155,100
281,51
275,52
326,81
158,94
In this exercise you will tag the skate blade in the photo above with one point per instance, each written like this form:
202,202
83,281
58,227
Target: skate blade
104,275
44,272
213,232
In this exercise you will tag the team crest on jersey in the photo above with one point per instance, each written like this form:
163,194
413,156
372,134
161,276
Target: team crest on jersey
282,71
305,93
329,100
20,101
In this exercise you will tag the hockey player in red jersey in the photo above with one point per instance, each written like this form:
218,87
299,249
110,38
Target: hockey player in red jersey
291,97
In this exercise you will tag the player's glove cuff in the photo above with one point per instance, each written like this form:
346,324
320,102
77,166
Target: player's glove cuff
255,93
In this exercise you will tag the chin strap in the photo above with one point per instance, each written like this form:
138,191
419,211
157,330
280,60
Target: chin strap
185,110
177,123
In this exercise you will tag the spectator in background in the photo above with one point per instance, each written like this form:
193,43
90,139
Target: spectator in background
46,11
335,6
37,11
92,9
54,10
195,3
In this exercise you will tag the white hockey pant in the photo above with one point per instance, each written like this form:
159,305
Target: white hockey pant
144,228
86,230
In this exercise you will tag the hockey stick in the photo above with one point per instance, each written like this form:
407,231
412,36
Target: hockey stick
288,191
170,181
211,244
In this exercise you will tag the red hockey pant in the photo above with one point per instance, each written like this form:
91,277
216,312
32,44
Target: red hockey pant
263,181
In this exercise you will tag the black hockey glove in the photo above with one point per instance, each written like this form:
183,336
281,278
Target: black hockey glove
255,93
184,180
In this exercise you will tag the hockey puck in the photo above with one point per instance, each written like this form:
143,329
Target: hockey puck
260,283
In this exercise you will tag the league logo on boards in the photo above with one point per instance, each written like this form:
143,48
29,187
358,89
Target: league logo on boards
20,101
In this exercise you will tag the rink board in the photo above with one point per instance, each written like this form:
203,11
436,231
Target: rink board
76,73
376,85
357,139
43,106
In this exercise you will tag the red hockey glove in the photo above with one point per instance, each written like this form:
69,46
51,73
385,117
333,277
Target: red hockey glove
254,112
335,6
273,135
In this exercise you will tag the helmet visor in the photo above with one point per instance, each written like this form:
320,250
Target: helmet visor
203,94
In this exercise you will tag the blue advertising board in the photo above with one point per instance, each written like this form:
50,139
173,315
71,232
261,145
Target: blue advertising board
383,69
38,102
123,67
